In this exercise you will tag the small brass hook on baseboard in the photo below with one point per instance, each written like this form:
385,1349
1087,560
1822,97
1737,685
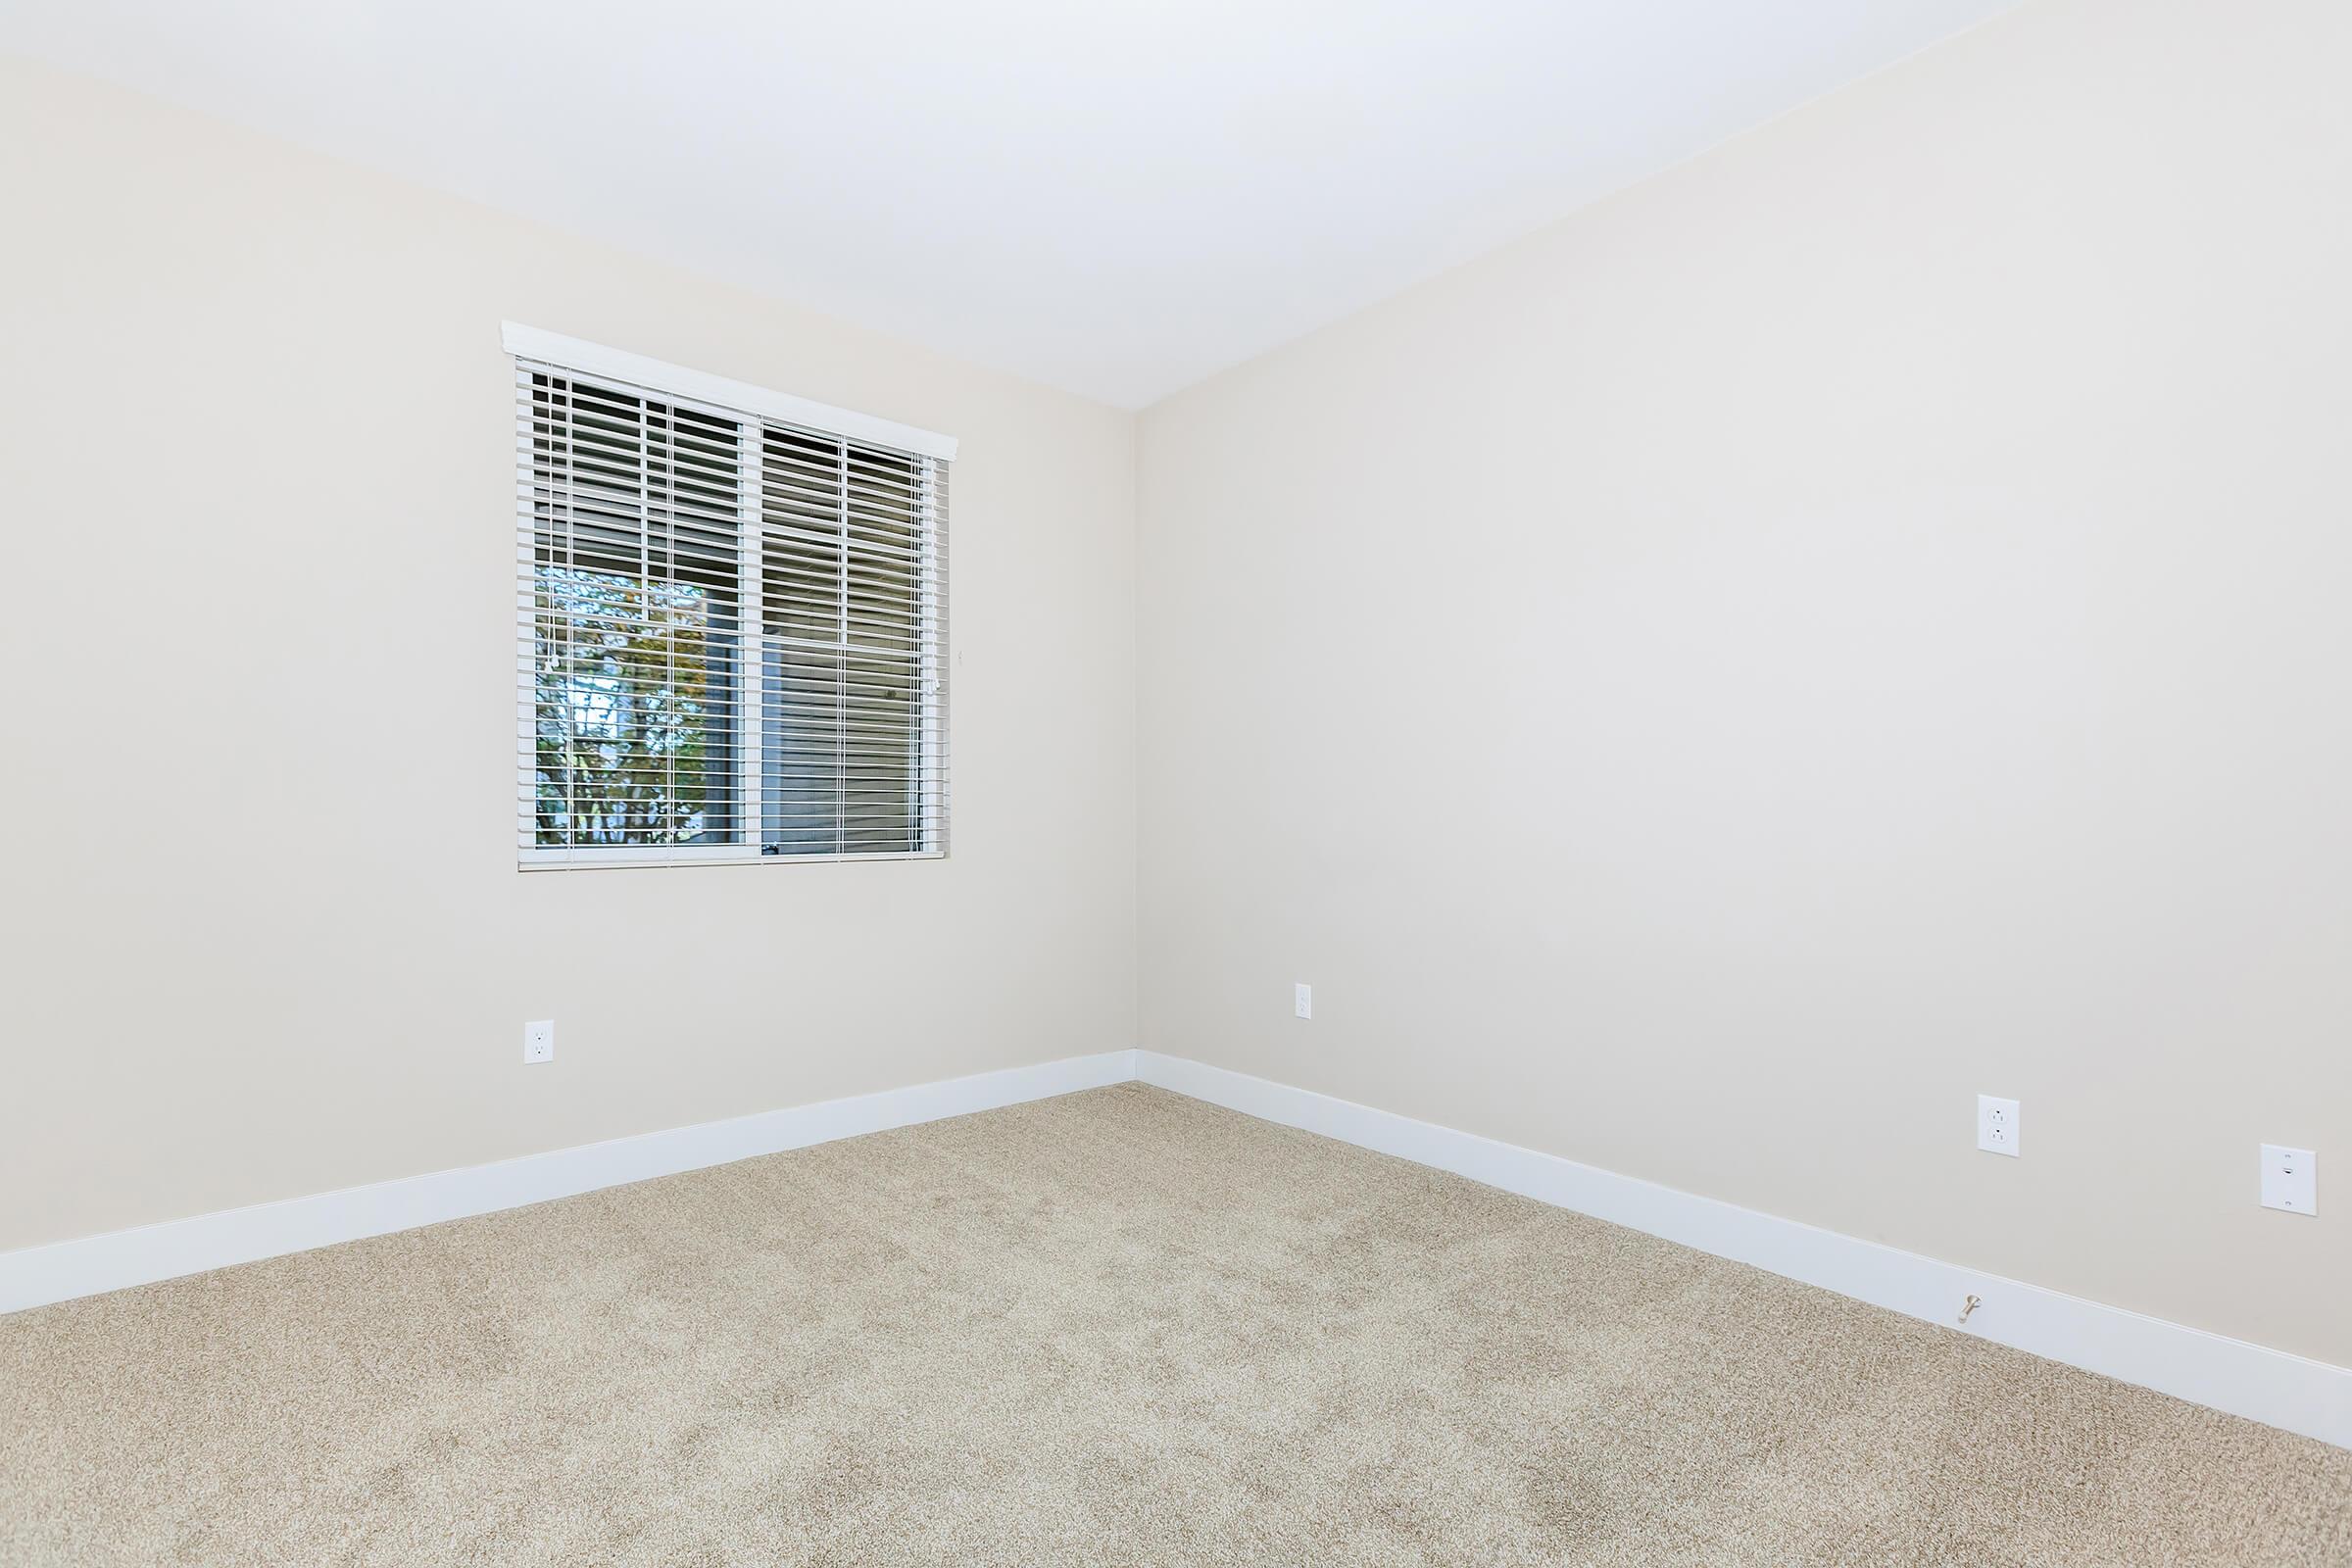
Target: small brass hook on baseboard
1974,1303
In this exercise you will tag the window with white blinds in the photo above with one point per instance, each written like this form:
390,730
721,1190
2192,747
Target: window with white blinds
732,618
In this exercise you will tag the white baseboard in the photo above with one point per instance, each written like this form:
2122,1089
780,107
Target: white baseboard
2284,1390
62,1270
2264,1384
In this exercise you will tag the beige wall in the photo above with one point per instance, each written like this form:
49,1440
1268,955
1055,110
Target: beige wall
1862,619
264,934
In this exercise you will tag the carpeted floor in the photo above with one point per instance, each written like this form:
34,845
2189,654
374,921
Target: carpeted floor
1120,1327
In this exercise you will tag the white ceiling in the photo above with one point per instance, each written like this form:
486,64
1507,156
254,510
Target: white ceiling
1117,197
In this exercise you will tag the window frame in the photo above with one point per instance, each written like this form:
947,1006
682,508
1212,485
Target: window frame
753,409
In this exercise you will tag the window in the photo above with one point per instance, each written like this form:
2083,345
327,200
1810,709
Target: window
731,614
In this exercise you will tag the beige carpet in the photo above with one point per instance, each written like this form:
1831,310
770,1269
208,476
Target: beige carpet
1121,1326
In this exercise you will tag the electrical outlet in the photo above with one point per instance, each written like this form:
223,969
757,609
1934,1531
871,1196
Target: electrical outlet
2290,1179
539,1041
1996,1125
1302,1000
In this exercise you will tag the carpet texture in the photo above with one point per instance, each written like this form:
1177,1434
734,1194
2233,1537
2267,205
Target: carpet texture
1120,1327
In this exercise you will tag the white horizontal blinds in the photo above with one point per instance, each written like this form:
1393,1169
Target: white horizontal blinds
731,633
634,649
853,610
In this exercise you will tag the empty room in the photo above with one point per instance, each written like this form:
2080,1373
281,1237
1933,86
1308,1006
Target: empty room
1126,784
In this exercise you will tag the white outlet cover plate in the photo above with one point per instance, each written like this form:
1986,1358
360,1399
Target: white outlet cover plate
539,1041
2290,1179
1302,1000
1996,1125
